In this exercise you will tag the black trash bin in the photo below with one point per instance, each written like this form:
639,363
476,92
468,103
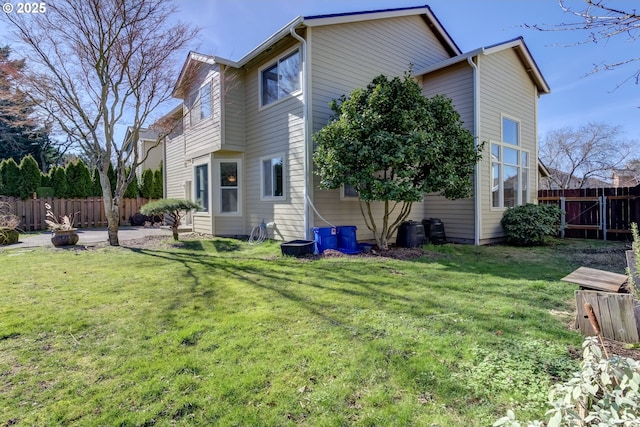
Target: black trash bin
434,230
410,235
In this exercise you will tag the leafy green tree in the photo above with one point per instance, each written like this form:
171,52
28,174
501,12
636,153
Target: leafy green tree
10,178
146,188
100,64
29,179
59,182
393,145
175,208
20,133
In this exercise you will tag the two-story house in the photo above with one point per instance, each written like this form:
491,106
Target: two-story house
246,147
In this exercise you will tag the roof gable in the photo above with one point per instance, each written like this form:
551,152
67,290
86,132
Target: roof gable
424,11
194,63
517,44
342,18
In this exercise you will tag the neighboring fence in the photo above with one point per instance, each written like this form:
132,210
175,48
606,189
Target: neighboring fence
596,213
89,212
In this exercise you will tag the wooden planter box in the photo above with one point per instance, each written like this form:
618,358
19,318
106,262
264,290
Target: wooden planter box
618,314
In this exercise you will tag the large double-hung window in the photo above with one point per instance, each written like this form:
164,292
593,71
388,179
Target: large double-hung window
280,79
509,168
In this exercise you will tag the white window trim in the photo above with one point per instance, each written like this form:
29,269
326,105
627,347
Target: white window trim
210,84
218,187
284,178
272,63
513,119
195,109
194,197
520,150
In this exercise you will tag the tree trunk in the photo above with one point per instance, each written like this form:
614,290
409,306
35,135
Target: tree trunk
111,209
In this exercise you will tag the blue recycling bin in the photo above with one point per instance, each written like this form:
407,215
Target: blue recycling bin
347,242
325,238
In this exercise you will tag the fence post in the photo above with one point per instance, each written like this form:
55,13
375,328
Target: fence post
603,216
563,220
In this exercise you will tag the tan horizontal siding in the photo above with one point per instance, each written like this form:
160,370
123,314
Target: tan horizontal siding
457,216
175,169
348,56
454,82
505,88
273,130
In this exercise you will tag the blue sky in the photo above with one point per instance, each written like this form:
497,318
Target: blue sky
231,29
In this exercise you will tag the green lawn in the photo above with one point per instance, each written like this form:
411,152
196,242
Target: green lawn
219,332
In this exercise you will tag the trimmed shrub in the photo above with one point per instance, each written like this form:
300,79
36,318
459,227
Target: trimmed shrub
132,190
29,180
59,181
10,177
46,192
78,179
527,225
172,207
146,187
96,187
157,183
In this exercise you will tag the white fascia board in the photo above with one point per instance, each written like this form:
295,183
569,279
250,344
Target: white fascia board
284,31
358,17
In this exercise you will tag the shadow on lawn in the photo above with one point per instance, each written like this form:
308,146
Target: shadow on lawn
334,292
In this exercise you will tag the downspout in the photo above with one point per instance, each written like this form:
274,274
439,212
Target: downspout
476,131
305,132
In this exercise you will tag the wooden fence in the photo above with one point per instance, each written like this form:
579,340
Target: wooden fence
88,212
596,213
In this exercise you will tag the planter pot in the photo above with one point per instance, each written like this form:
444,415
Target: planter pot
64,238
8,236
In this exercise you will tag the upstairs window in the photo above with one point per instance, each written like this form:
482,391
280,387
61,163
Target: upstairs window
201,104
280,79
205,101
509,168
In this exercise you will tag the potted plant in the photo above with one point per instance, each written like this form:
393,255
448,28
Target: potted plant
64,233
9,223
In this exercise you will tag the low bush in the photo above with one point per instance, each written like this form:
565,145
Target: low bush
603,393
175,208
527,225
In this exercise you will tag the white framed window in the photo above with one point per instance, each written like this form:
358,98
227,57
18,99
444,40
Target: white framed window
200,104
349,193
205,101
272,177
229,194
281,78
201,187
509,168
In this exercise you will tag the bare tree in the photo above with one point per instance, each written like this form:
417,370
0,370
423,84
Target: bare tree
100,64
574,156
601,22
